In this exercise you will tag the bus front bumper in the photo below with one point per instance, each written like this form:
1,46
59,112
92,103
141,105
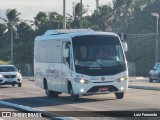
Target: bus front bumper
100,88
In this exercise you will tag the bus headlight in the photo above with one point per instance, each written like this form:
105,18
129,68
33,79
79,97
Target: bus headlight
122,79
1,76
81,80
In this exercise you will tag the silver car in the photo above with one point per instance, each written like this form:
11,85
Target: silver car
154,74
9,75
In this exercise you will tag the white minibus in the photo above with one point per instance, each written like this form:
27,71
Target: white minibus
80,62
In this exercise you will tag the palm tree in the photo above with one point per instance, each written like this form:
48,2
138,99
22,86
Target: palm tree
77,15
103,18
23,48
2,29
12,21
40,20
2,37
56,20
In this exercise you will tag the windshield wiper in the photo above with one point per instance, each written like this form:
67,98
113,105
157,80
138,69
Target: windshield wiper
112,59
95,60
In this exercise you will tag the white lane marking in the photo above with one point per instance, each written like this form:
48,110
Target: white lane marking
32,109
68,118
19,106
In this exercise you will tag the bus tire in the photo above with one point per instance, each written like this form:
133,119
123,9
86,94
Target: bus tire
119,95
49,93
54,94
73,96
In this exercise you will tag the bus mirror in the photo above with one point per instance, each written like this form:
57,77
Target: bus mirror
125,47
122,36
66,52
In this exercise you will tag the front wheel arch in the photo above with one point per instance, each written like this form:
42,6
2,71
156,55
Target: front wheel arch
45,83
69,86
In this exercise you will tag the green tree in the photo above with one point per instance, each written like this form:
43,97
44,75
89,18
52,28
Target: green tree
12,20
2,36
2,29
23,49
102,18
55,20
77,16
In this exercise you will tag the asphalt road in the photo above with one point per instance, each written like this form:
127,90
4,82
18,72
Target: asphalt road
34,97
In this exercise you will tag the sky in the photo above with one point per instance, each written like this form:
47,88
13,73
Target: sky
30,8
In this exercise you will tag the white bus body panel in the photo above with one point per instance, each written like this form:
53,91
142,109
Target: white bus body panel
57,74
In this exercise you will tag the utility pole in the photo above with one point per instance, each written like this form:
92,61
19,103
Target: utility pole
81,15
64,14
73,9
156,52
11,44
97,5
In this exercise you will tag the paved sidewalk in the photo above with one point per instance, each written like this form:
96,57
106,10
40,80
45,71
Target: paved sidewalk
143,83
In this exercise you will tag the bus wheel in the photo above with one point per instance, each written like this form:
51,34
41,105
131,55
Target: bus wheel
51,94
73,96
54,94
119,95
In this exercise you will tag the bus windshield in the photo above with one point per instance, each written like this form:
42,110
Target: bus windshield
97,52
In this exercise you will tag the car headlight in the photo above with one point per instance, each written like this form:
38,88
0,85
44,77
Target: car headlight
1,76
122,79
81,80
18,75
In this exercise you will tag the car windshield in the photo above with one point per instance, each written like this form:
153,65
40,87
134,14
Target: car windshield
8,69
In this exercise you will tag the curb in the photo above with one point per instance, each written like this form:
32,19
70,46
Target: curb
144,87
29,78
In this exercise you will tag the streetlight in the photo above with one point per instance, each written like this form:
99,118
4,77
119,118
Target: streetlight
156,54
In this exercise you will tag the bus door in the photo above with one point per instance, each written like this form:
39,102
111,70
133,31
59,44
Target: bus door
66,65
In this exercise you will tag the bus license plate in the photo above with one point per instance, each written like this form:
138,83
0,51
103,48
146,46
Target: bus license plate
103,89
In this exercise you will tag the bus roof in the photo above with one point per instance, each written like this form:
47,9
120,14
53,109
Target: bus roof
68,33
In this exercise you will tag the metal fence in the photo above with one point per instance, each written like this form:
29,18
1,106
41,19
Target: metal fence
141,53
26,69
